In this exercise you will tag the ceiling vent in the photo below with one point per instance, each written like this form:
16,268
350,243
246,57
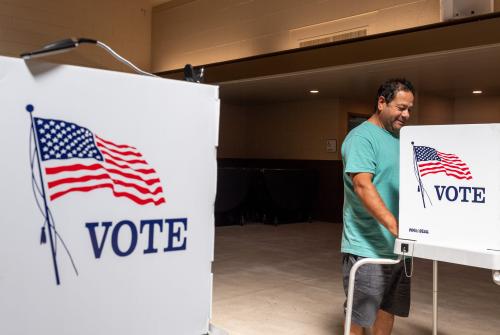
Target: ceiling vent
346,35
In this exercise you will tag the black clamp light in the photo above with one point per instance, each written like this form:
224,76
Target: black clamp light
193,74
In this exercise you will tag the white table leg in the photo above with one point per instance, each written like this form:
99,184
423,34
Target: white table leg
434,297
350,291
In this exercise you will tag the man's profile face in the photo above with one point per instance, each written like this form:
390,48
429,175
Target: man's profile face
396,113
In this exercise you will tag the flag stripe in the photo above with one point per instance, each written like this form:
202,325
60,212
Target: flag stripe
424,165
130,161
144,171
437,166
453,161
118,149
447,173
93,167
121,186
85,178
124,153
132,197
115,145
446,155
73,167
55,183
458,168
440,168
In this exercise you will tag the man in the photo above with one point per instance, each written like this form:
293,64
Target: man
370,154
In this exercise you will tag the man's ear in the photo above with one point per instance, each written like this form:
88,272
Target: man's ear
381,103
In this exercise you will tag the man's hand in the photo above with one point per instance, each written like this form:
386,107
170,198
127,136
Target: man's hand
372,201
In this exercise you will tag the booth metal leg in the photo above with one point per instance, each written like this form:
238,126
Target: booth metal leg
434,297
350,291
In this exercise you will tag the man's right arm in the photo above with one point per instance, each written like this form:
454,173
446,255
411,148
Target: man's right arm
369,196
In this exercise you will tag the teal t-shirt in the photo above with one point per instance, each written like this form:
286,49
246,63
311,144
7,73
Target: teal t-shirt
369,148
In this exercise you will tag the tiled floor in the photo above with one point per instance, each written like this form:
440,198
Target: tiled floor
287,280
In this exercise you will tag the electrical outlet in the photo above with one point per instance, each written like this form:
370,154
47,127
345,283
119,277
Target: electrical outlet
404,247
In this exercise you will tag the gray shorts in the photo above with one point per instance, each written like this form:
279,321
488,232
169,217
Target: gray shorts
377,287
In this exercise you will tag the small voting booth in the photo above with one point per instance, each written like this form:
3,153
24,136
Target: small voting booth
108,187
450,194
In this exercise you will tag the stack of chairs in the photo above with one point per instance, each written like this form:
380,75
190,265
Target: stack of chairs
264,195
291,194
232,193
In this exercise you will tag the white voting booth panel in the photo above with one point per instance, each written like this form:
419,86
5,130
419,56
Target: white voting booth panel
128,172
450,193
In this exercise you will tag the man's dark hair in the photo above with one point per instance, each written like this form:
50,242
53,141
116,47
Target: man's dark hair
391,87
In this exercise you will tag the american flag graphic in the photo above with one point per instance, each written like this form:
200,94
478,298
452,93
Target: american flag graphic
430,160
76,160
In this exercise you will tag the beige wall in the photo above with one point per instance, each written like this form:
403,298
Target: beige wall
477,110
208,31
233,131
435,110
292,130
299,130
463,110
125,25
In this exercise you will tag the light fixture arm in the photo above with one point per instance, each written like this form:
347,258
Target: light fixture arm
71,43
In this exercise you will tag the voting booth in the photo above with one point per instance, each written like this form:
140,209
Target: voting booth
108,187
450,194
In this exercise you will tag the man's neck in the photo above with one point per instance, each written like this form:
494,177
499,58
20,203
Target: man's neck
376,121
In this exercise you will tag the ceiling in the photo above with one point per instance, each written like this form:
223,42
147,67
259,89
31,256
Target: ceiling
448,74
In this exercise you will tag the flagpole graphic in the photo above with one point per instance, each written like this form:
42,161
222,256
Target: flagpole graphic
48,220
417,174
